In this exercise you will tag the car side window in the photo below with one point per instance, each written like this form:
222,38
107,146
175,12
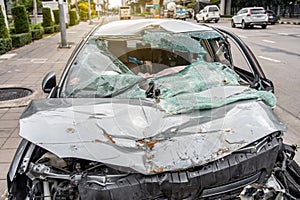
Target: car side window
238,58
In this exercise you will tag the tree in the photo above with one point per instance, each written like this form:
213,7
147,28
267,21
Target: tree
3,29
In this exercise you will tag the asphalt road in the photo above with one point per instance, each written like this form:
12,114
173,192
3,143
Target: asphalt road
277,49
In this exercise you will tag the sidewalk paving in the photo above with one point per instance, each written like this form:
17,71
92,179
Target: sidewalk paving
26,67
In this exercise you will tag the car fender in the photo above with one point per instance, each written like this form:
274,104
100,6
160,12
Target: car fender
20,153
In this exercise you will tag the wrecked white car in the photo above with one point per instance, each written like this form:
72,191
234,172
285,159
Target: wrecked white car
155,109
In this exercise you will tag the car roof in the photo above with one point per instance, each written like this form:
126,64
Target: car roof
212,6
133,27
255,8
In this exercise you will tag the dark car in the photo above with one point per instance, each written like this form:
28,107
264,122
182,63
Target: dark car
155,109
189,14
272,17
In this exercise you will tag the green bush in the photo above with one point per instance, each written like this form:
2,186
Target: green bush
19,40
12,30
56,16
37,34
83,15
5,45
3,29
56,28
47,19
36,26
73,17
20,17
49,30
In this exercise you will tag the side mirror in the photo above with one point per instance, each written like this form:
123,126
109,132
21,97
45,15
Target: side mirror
49,82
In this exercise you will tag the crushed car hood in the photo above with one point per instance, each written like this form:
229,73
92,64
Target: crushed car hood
137,135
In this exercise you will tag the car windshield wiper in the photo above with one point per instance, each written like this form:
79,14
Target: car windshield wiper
122,90
152,91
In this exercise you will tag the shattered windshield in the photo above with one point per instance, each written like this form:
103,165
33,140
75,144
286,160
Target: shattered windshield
172,68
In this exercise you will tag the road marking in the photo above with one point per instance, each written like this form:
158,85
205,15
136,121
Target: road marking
39,60
269,41
7,56
283,34
269,59
242,36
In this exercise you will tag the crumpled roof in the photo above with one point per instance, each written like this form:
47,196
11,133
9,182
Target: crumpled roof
136,26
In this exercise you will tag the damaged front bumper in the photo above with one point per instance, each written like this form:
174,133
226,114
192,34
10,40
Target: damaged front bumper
248,168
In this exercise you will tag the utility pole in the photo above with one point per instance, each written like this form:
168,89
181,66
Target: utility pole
62,21
89,11
34,12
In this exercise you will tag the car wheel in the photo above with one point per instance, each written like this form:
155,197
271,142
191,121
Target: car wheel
216,20
264,26
244,26
232,24
197,21
272,23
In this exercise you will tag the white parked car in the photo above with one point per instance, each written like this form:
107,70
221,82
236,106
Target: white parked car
248,17
208,13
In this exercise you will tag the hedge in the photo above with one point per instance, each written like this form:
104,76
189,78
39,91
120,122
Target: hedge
3,29
56,28
5,45
37,34
83,15
19,40
49,30
56,16
73,17
47,19
20,17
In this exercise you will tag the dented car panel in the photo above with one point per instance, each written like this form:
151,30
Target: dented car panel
154,109
139,137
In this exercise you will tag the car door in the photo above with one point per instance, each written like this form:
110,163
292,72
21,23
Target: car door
246,65
239,16
199,15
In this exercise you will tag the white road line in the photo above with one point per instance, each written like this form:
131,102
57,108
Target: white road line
269,59
283,34
7,56
242,36
269,41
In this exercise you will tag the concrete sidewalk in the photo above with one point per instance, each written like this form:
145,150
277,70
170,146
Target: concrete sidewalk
26,67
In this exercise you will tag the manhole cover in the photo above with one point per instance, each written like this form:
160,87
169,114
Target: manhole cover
14,93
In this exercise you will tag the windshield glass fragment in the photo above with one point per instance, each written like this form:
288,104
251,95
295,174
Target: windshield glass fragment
176,68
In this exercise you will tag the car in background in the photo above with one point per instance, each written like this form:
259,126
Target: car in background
155,109
249,17
208,13
180,13
189,14
272,17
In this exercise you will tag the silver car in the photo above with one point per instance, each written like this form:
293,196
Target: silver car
248,17
154,109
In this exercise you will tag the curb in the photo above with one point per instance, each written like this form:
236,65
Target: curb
287,22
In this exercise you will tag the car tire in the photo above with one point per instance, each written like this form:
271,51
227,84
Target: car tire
216,21
264,26
244,26
232,24
197,21
272,23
